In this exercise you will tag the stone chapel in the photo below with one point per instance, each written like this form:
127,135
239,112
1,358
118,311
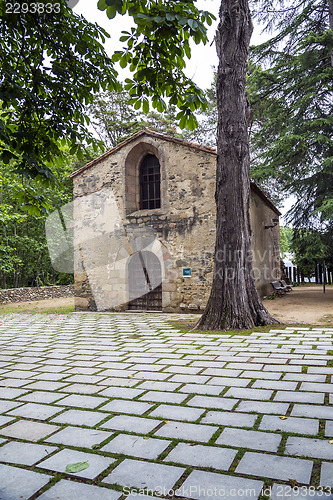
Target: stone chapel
144,227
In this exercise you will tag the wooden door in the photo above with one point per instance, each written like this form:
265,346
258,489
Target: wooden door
144,282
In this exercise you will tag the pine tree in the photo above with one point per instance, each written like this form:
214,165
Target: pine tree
294,87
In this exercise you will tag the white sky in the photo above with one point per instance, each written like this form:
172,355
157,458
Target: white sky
204,57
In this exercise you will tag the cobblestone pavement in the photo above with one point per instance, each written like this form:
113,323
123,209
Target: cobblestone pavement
126,406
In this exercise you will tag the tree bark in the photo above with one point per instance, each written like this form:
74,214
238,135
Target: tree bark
234,301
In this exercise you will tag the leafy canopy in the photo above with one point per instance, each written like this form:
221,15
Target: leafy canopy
114,120
292,83
24,255
51,64
155,51
312,247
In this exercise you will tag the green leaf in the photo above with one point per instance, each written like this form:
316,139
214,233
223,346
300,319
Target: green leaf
183,122
76,467
170,16
187,49
6,156
111,11
145,106
123,62
101,4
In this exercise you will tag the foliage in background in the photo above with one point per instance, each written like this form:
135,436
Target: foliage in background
286,235
312,247
156,50
206,132
24,256
51,65
114,119
291,84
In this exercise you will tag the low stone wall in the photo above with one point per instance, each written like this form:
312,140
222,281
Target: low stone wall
25,294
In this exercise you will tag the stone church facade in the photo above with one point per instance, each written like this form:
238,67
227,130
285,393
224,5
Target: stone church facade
144,227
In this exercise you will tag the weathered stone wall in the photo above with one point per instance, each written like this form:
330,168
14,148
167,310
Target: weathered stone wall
26,294
107,196
265,242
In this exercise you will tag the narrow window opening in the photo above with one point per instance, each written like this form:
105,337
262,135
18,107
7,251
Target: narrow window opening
150,183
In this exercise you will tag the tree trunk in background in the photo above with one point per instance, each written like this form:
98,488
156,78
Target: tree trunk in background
234,301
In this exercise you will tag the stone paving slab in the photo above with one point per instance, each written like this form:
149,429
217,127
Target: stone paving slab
5,420
263,407
202,456
241,438
41,397
149,402
79,401
276,467
326,477
201,485
329,429
24,453
148,475
34,410
82,438
8,405
177,412
229,418
131,423
221,403
26,429
136,446
18,483
291,424
163,397
299,397
187,432
70,490
316,448
79,417
314,411
124,406
60,460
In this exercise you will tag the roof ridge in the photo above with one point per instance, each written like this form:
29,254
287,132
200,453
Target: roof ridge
143,131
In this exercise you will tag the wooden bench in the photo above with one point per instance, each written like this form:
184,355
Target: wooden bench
278,289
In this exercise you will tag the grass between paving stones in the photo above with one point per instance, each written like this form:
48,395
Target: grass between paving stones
49,485
266,490
315,477
29,309
185,326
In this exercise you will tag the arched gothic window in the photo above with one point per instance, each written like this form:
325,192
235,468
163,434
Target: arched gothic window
150,183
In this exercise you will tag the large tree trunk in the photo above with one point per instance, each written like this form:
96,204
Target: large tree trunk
234,301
